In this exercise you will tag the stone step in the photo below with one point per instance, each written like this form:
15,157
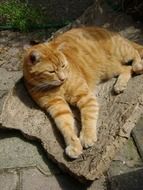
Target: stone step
126,170
137,134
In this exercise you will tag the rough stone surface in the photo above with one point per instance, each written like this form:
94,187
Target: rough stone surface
8,180
8,79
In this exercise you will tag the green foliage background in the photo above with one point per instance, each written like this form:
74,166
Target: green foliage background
20,15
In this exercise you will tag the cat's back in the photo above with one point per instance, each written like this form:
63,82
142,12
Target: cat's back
87,34
86,41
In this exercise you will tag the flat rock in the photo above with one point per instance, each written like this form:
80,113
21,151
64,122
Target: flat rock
118,115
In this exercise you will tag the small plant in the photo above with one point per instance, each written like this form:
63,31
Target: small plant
20,15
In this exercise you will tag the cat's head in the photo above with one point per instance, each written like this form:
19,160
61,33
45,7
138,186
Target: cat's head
45,66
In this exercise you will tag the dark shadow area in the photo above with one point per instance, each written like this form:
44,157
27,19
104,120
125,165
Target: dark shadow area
22,93
129,181
68,183
62,10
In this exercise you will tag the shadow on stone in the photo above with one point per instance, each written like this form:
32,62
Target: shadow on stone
67,182
22,94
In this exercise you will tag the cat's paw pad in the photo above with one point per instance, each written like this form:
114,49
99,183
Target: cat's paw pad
88,140
119,88
138,67
73,152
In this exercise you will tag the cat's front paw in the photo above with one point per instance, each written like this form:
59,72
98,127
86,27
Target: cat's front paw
88,140
119,87
73,151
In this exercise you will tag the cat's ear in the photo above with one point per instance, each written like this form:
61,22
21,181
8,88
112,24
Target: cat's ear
31,43
34,57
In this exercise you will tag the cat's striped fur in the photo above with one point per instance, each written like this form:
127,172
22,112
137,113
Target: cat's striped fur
66,70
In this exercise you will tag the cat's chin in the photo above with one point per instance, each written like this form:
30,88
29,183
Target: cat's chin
56,83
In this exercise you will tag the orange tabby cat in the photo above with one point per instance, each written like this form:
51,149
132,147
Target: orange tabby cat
66,70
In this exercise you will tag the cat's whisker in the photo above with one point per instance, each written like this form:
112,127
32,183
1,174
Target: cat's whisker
37,87
41,86
45,85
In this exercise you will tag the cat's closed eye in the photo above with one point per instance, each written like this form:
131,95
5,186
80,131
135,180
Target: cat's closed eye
51,71
63,66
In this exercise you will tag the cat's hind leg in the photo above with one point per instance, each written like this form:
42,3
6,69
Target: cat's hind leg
123,78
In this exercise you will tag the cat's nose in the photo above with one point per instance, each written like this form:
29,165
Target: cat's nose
61,77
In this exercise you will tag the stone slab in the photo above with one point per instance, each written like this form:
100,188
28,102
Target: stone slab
118,115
